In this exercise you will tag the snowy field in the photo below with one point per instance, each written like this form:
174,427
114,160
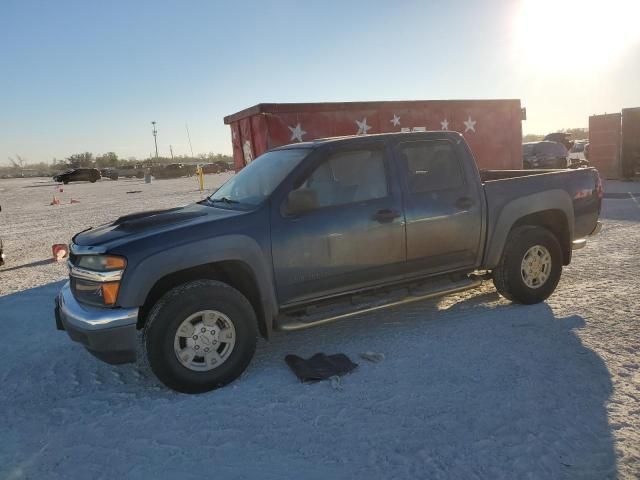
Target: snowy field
471,386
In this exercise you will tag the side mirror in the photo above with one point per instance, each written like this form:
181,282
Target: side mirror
300,201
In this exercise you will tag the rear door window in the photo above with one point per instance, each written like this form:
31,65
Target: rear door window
430,166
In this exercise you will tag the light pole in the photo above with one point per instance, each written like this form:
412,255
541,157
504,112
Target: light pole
155,138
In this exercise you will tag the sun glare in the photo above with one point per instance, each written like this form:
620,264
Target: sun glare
589,34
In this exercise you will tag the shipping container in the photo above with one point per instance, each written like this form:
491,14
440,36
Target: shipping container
630,142
604,144
614,143
492,128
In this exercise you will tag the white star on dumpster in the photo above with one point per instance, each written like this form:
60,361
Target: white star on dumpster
297,133
363,127
469,125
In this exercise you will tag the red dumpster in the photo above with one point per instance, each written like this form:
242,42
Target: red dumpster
492,128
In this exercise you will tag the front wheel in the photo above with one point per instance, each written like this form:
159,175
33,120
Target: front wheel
200,336
530,267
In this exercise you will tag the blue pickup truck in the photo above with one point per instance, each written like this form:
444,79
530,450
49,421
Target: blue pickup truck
313,233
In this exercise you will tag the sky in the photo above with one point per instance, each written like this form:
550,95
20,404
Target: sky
83,75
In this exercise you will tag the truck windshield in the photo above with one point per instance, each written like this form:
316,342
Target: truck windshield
256,181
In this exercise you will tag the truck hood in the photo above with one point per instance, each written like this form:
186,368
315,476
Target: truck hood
144,224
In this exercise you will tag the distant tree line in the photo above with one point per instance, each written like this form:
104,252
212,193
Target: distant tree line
576,134
21,167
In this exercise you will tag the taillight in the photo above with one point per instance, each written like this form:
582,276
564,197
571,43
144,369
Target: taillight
599,186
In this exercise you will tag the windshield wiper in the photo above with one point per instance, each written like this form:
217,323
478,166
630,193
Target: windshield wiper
223,200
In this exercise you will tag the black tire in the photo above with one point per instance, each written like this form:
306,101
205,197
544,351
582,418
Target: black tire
172,309
66,182
93,181
508,277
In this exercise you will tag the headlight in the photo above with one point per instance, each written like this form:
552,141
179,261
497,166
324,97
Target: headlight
101,263
95,279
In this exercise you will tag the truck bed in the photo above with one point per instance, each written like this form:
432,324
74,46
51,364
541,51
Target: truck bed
578,189
491,175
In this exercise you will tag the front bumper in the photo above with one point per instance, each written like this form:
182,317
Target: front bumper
110,334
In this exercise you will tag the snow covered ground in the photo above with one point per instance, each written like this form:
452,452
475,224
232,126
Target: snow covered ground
470,387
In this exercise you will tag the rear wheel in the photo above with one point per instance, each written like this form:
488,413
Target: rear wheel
200,336
530,267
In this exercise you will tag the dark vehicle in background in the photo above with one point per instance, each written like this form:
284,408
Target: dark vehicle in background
78,175
223,166
577,150
131,171
544,154
216,167
578,154
110,173
173,170
210,168
280,247
561,137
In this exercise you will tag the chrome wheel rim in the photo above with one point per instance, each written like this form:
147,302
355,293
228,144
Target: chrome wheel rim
204,340
536,266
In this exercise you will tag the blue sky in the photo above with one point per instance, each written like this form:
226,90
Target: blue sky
90,76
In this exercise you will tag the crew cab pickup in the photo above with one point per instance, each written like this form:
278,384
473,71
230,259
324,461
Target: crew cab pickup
316,232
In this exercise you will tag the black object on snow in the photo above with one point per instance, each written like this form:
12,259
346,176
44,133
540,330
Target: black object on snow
320,366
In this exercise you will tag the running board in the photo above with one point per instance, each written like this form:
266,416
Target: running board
307,320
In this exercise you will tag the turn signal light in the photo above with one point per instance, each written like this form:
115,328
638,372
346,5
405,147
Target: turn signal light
110,292
115,263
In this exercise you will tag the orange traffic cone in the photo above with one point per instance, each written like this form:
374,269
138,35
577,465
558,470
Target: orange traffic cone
55,201
74,201
60,251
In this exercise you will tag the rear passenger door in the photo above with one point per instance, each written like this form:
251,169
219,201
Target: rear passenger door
442,206
354,236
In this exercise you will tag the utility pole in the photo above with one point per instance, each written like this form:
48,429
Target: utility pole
189,137
155,137
171,150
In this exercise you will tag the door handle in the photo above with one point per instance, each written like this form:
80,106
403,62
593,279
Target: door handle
464,203
386,215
